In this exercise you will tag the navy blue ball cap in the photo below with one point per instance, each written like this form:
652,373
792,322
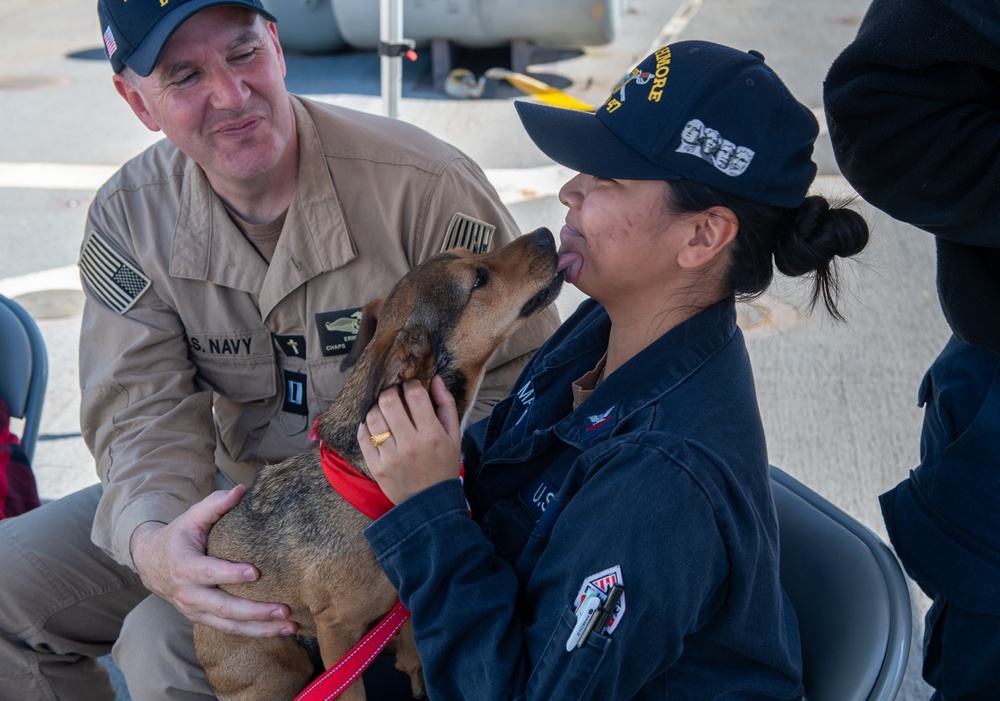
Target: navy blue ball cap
136,32
692,110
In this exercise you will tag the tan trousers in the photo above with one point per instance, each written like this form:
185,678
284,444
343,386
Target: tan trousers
64,603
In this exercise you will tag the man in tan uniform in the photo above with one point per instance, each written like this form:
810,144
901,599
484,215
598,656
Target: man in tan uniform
224,269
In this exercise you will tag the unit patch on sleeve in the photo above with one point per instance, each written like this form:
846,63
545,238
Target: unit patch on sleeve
599,606
468,232
601,583
117,283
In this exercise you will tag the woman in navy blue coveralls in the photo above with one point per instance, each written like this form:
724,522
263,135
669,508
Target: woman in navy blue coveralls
624,543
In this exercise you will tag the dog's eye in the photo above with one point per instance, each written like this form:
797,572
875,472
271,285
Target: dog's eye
482,277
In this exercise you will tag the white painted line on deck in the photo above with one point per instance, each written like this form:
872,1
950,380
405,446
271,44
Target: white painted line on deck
675,26
54,176
64,278
522,184
514,185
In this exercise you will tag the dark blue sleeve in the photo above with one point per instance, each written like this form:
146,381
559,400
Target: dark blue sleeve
912,110
460,595
486,630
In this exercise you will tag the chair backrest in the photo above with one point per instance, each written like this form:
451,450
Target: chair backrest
24,370
849,594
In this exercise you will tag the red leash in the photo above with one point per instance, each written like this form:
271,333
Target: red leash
334,680
365,496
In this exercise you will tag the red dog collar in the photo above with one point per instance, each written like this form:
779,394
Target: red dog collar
360,492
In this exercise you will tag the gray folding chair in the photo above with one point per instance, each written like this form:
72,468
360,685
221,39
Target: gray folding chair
24,370
849,594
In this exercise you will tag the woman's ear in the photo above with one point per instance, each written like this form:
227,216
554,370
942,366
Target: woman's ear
712,231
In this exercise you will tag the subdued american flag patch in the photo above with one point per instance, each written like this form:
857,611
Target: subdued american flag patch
468,232
116,282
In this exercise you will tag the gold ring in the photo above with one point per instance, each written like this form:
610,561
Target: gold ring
380,438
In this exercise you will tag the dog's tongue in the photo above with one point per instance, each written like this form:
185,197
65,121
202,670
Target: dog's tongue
570,265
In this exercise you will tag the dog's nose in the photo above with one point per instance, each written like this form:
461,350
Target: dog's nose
543,238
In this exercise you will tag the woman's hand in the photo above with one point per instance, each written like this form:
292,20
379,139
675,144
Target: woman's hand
425,447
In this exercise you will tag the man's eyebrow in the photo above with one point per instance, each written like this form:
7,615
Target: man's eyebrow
249,37
168,72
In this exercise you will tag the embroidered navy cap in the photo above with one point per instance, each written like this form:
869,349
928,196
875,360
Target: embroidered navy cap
692,110
136,32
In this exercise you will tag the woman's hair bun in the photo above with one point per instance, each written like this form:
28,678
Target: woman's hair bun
819,233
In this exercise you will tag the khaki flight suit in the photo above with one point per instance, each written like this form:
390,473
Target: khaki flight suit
199,362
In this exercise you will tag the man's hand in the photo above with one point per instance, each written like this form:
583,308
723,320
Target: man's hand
171,560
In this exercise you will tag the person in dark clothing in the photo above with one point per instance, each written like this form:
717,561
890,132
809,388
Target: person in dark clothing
914,118
623,543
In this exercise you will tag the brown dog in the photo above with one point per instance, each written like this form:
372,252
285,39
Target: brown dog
446,317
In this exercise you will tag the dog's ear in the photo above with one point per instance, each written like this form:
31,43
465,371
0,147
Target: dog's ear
366,331
410,355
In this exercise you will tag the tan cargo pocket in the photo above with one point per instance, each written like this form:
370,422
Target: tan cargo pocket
239,366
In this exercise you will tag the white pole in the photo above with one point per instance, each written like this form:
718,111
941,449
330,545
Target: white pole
391,34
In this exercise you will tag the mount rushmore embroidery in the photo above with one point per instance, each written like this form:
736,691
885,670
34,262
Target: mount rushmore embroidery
706,143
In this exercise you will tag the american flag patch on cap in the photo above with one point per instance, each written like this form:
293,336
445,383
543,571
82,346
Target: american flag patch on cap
468,232
109,42
116,282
